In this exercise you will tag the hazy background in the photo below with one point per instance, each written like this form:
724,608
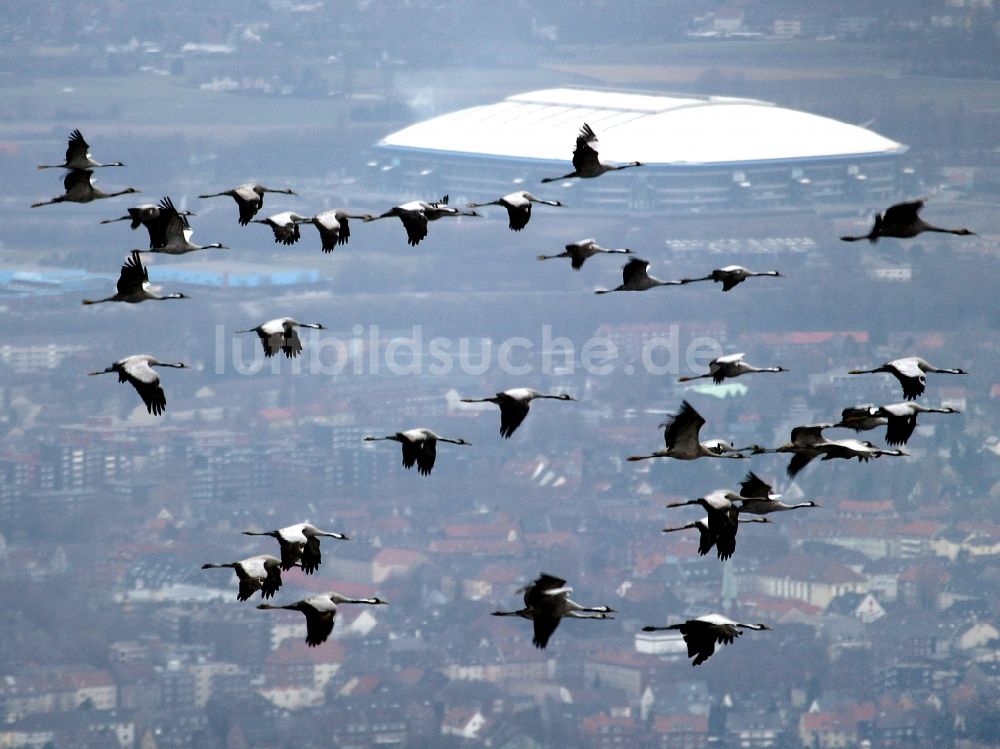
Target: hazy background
115,637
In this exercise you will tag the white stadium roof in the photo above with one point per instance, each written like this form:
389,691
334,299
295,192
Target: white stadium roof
666,130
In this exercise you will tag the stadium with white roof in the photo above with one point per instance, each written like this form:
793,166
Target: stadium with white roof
701,153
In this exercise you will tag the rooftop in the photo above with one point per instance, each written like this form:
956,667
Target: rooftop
665,130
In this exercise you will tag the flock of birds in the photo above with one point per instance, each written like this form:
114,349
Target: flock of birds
546,600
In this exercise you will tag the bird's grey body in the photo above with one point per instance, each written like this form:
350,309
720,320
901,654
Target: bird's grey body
249,198
731,365
419,447
78,185
138,371
518,205
579,252
547,602
911,373
279,335
682,441
514,405
703,633
321,613
133,285
902,221
586,163
299,545
261,572
731,276
78,155
635,277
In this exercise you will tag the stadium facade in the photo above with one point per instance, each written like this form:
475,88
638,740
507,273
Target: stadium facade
701,154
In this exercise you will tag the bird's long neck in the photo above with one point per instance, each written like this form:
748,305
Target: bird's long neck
451,441
100,194
680,528
587,614
210,565
731,452
98,301
942,230
693,377
169,296
684,504
657,454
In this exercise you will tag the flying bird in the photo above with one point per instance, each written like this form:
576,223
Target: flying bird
78,155
133,284
808,442
703,633
321,613
635,277
79,188
731,276
578,252
901,419
546,602
249,197
138,371
413,215
758,499
902,221
514,405
299,545
731,365
279,334
518,205
285,226
861,418
173,236
261,572
419,447
911,372
585,161
441,209
334,227
155,218
723,519
708,537
682,441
